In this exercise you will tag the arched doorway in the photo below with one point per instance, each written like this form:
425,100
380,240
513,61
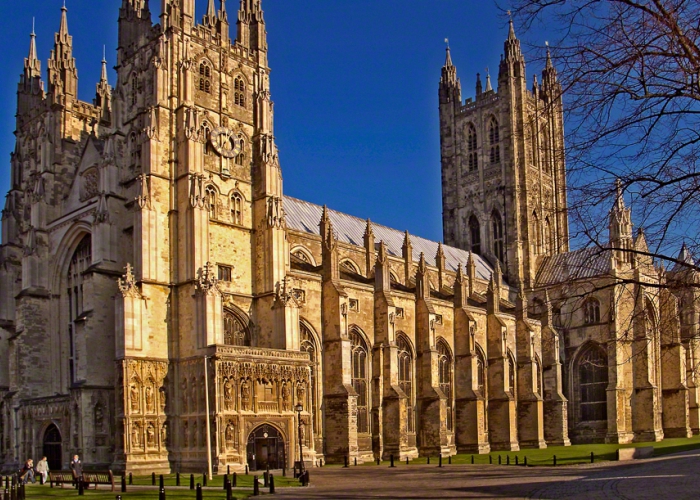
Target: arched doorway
53,448
266,448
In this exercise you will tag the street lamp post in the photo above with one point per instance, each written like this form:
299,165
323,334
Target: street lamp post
299,408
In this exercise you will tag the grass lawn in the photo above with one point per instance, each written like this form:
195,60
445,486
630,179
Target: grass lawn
244,484
566,455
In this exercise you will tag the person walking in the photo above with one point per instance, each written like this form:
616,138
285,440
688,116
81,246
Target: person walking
43,468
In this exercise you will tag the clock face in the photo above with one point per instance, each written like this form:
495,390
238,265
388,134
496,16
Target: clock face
225,142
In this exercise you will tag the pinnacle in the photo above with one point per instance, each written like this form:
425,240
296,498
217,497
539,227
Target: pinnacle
63,29
103,77
511,31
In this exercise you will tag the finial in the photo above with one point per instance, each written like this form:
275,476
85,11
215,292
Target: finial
33,23
104,53
549,56
447,42
511,29
488,81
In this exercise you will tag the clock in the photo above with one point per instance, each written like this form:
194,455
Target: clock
225,142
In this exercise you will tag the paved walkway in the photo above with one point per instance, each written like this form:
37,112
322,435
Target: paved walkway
673,476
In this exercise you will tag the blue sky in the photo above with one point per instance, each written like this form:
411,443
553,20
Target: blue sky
354,85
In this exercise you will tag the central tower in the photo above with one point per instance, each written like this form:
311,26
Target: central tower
503,169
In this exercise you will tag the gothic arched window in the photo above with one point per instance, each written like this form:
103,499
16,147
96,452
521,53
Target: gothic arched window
445,378
475,234
360,380
536,233
205,77
211,197
481,373
240,157
548,237
511,374
235,332
591,311
593,383
472,158
134,90
494,140
81,260
406,379
538,377
497,235
239,92
308,344
236,211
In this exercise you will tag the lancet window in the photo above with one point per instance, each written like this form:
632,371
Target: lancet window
445,378
475,234
239,95
406,379
497,235
494,140
81,260
472,158
593,383
205,77
360,380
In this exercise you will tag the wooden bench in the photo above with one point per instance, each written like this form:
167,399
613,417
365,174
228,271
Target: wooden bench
61,477
98,477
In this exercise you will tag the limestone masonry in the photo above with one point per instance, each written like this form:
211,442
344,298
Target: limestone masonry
147,241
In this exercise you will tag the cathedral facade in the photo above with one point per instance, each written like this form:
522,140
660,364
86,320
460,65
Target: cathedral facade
163,302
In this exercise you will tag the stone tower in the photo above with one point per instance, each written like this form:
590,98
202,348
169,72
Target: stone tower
503,171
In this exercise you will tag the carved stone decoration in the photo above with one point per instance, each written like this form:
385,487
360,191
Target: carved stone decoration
183,392
99,418
301,394
245,395
151,129
228,395
229,435
150,400
192,124
143,199
163,398
302,431
151,436
30,245
195,435
286,397
164,434
90,185
134,398
136,435
206,279
285,293
102,212
186,435
275,212
38,191
127,284
198,197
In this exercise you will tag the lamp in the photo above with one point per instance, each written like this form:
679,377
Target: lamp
299,408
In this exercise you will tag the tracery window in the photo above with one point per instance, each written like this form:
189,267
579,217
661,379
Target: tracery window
537,233
475,234
360,380
240,157
593,383
211,196
494,140
445,378
239,95
236,208
349,266
472,158
235,333
205,77
547,236
406,379
308,344
81,260
511,375
481,373
497,235
591,311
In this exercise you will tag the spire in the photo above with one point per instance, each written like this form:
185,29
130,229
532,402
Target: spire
63,29
479,88
549,64
251,25
685,259
103,76
223,15
32,65
489,88
619,196
449,72
511,29
549,73
103,95
448,57
210,16
63,75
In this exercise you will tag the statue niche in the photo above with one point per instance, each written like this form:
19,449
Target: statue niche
134,398
228,395
245,395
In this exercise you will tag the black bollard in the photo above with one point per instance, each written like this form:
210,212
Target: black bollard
256,486
225,481
355,461
266,479
204,480
246,469
228,470
525,461
499,459
161,494
592,457
284,471
119,497
472,459
199,492
272,484
449,460
235,480
516,459
191,481
490,459
131,479
41,479
153,479
177,479
379,461
81,488
162,483
440,460
428,459
554,461
123,483
391,457
406,460
508,460
229,492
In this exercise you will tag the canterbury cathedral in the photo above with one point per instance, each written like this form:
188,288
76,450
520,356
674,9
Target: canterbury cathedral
163,302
